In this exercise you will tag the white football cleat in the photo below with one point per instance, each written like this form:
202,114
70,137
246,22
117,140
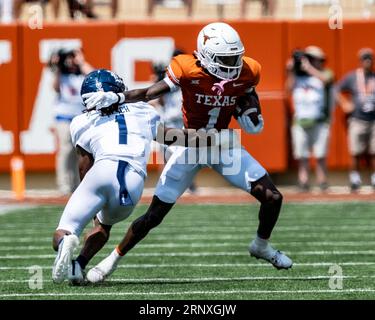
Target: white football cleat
64,258
76,275
278,259
103,269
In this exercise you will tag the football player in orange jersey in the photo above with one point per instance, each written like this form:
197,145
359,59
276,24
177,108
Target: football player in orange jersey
213,81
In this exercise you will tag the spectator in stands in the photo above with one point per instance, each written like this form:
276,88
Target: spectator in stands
19,3
6,11
70,68
360,85
78,7
268,8
153,3
114,8
86,7
310,85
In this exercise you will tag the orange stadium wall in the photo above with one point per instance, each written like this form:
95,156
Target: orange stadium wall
10,99
129,48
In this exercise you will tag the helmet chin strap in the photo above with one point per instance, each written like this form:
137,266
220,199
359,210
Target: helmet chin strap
218,87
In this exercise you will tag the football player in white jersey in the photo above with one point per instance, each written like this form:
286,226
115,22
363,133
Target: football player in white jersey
113,146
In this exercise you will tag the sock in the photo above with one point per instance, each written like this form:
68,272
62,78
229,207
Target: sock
82,261
117,249
261,243
116,255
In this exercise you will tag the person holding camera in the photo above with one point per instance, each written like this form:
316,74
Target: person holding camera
310,85
69,67
360,85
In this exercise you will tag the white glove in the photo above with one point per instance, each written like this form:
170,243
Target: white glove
247,125
99,100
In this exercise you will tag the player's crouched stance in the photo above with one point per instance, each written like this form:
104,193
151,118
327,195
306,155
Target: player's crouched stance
215,81
113,146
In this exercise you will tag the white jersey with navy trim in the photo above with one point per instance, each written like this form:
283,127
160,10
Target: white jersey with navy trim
125,135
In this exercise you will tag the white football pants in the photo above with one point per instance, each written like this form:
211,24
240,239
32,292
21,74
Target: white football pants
110,191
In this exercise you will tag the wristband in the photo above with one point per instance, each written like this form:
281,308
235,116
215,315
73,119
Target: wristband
121,98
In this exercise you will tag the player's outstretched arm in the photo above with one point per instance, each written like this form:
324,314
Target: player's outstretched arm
99,100
155,91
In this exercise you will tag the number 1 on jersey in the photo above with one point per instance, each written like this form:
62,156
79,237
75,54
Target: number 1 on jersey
214,115
123,130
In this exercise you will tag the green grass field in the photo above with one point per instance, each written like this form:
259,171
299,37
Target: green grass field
200,252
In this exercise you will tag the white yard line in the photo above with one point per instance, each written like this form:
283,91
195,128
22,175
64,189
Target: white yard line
180,293
304,222
210,265
216,237
225,230
16,246
209,279
198,254
5,209
197,232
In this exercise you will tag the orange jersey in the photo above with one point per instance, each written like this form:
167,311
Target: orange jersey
202,107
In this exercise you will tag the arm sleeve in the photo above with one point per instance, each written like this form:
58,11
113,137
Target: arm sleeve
172,86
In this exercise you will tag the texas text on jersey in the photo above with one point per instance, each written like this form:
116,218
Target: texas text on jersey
203,107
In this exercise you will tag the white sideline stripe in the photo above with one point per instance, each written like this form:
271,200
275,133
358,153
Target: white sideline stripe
5,209
197,254
210,265
173,293
162,280
210,245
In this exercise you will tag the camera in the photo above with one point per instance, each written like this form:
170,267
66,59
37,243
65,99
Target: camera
297,62
63,61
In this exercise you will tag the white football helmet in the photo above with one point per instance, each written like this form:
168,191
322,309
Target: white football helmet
220,50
